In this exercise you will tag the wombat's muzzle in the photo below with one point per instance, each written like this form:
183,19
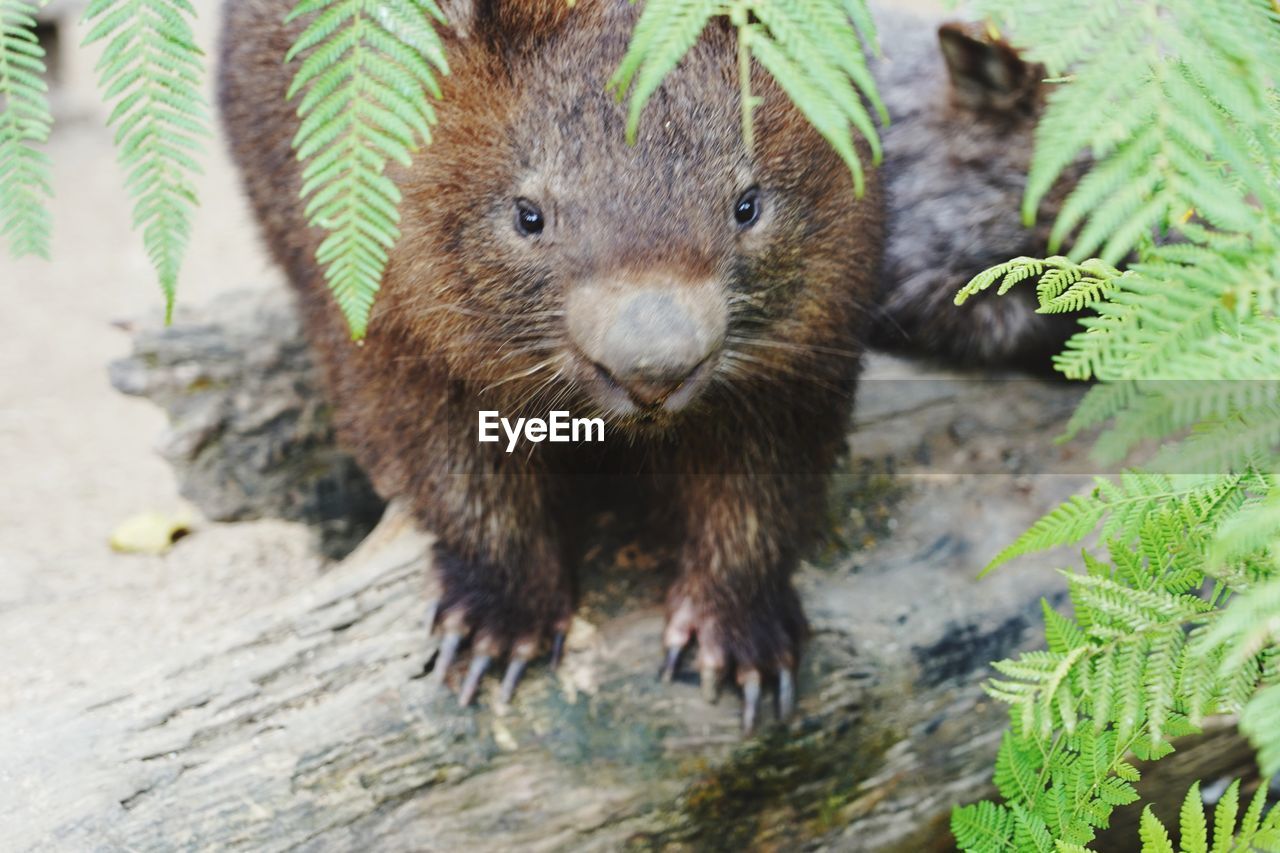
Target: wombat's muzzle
651,341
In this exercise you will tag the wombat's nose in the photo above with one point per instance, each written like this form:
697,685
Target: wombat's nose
648,337
652,346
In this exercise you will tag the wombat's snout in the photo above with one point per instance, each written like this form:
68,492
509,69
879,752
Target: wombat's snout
651,341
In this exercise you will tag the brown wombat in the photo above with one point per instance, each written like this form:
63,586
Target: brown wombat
707,303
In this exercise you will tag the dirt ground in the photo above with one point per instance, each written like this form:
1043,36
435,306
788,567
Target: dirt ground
77,458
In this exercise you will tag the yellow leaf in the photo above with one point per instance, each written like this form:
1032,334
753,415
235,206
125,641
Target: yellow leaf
150,532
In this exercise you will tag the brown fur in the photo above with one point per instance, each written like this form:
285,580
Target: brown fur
470,317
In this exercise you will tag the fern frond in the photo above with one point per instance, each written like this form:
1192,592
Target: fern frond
1063,285
1125,506
815,55
1069,523
1254,529
1076,288
815,52
1174,102
1249,627
1195,832
1151,314
25,121
984,827
666,31
1252,834
1247,635
1062,634
1245,437
1260,721
366,80
1169,89
151,70
1155,838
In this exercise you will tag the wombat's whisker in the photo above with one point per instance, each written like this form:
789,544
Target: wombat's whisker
467,344
807,349
784,367
523,374
457,308
537,391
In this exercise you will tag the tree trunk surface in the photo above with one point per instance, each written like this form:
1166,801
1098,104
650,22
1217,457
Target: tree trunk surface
311,726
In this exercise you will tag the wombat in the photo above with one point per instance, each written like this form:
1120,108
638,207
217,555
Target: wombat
707,303
964,106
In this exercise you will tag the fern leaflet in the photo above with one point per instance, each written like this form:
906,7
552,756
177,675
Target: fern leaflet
151,69
1252,833
814,51
1176,93
366,77
25,122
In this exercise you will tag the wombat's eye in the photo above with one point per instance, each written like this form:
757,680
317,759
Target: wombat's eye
747,209
529,220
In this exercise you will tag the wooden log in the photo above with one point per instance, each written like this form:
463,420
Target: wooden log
310,725
249,433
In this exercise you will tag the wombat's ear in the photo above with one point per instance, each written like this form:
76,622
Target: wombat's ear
504,22
987,74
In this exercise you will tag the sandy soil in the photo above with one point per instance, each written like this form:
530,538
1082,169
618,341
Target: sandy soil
76,457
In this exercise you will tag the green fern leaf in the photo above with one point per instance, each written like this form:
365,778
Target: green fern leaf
666,31
1030,832
151,68
1260,721
1195,833
1224,818
1254,833
815,52
983,827
1155,838
366,79
1069,523
1163,84
1062,634
25,122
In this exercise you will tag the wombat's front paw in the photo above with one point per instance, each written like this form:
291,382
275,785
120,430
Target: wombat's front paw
759,638
503,614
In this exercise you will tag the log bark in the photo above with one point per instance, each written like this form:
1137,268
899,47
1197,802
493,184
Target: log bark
249,432
310,726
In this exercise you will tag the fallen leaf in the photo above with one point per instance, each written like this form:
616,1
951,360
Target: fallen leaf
150,532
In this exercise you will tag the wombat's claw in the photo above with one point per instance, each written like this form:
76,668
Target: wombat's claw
557,649
761,651
750,681
515,669
485,647
668,672
444,658
786,694
503,629
475,672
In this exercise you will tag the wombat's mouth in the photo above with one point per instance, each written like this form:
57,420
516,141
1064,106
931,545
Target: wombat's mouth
647,397
645,343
